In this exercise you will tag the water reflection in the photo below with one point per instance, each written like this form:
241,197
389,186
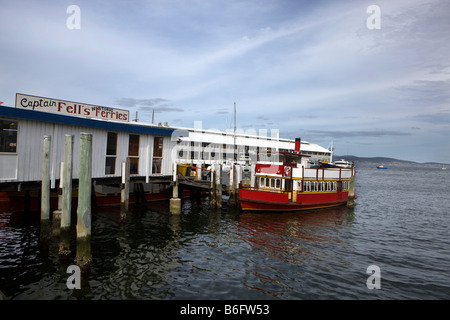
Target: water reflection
296,230
289,248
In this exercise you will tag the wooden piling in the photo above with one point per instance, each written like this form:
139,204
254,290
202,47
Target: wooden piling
66,201
125,190
56,219
219,186
237,183
84,257
45,189
232,187
175,201
351,193
212,198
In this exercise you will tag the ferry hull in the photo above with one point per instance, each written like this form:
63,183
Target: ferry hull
253,200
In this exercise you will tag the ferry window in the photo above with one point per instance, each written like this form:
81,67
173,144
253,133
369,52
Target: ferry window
133,153
307,186
272,183
8,136
267,182
345,185
278,184
111,152
157,155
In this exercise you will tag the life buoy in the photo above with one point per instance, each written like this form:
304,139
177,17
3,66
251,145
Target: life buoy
287,171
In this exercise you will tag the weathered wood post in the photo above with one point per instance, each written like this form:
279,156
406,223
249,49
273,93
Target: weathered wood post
45,189
175,201
125,190
66,209
351,191
219,186
232,187
212,198
84,257
56,223
237,183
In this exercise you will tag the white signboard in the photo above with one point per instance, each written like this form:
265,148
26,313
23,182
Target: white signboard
70,108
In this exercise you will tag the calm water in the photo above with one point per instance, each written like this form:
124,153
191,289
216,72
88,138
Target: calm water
400,223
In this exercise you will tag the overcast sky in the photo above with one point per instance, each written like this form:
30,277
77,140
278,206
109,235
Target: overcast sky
311,69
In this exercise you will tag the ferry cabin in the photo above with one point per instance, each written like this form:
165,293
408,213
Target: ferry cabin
148,147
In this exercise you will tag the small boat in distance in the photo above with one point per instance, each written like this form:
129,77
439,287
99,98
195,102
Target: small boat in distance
381,167
344,163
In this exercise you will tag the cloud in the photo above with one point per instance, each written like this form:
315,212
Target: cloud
132,102
156,104
441,118
222,111
355,134
426,92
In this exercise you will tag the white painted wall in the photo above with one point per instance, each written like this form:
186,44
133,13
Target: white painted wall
26,164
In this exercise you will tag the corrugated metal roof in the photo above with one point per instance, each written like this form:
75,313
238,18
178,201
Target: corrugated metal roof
132,127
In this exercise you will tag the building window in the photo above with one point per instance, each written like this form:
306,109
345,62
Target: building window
133,153
157,155
111,153
8,136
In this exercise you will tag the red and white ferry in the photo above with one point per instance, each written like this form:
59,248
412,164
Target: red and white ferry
288,183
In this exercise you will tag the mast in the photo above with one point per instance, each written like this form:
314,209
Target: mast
235,154
331,149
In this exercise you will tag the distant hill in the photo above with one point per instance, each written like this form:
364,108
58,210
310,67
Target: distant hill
387,161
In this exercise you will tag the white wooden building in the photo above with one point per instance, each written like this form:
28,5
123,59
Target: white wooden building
204,147
149,147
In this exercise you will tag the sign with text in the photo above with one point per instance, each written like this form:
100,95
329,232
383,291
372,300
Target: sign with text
77,109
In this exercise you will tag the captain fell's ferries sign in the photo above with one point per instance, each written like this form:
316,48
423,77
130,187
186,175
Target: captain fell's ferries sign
70,108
